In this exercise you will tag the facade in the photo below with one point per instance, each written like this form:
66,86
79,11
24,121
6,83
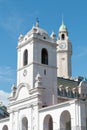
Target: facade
46,97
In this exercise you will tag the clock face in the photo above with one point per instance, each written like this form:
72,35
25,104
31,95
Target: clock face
62,45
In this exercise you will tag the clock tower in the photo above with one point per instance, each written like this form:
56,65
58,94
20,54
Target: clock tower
64,53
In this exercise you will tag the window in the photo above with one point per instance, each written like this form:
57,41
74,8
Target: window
24,124
62,36
44,72
65,121
44,56
5,127
25,57
48,123
44,37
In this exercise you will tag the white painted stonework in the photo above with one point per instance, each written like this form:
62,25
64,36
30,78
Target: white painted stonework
64,53
34,101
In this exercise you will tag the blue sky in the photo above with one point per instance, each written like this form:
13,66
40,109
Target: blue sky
18,16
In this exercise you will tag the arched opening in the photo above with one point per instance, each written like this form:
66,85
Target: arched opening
25,57
65,121
48,123
5,127
24,124
62,36
44,56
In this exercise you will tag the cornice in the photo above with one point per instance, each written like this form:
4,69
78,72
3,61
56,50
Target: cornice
34,38
22,106
48,66
4,119
59,105
14,102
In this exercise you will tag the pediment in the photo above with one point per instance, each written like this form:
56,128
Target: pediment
22,92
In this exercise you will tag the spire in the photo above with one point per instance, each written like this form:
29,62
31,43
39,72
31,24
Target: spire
62,27
37,22
62,20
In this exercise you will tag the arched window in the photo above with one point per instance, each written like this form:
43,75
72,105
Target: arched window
24,124
65,121
48,123
62,36
44,56
25,57
5,127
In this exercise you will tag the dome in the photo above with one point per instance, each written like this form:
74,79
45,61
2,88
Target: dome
83,83
62,27
39,30
84,79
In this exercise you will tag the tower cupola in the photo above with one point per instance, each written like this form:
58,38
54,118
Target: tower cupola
63,27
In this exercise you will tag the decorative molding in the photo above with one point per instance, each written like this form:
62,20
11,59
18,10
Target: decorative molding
48,66
18,90
36,90
22,106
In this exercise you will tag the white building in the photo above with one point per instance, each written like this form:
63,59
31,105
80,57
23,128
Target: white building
45,97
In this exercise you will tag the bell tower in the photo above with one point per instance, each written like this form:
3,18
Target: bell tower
37,56
64,53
